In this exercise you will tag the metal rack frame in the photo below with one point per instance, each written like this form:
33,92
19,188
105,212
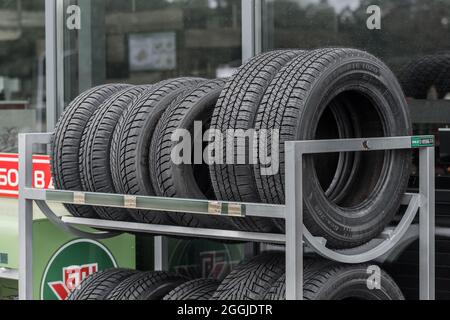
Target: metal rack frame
296,233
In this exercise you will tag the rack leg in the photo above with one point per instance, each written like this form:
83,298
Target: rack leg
25,221
161,253
294,223
427,226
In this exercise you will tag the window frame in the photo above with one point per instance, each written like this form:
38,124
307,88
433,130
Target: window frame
54,29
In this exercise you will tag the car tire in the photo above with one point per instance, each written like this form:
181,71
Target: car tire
99,285
154,285
236,109
299,104
130,146
66,142
185,180
94,155
251,279
334,281
200,289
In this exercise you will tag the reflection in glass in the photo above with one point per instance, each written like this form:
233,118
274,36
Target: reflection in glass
22,78
413,40
142,42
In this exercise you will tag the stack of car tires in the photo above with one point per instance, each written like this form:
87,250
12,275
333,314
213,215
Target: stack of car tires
260,278
120,139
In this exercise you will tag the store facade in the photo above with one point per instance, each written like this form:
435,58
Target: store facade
52,50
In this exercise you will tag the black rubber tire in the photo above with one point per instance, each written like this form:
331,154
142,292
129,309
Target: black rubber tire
199,289
251,279
236,110
421,74
66,142
310,266
294,104
154,285
185,180
340,282
94,155
130,146
99,285
443,82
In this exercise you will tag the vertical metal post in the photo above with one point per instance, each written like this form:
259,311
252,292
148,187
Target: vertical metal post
51,63
248,29
257,37
161,259
60,57
54,56
251,28
294,222
427,226
25,220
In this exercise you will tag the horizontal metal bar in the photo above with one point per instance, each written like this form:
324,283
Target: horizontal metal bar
167,204
406,199
362,144
37,138
9,274
177,231
34,194
441,232
115,200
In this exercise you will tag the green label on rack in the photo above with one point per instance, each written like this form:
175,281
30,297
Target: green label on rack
422,141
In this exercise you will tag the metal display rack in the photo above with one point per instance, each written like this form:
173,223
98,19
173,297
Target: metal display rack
294,239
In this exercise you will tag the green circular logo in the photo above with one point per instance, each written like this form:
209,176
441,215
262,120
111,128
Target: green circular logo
204,259
71,264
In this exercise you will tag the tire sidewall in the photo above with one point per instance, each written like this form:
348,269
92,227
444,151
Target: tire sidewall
353,283
380,84
183,175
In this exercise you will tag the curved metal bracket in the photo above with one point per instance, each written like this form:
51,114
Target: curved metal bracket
52,217
372,250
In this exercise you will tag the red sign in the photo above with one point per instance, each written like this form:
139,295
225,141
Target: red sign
9,174
72,278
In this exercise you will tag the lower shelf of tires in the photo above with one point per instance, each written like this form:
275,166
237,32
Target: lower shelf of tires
259,278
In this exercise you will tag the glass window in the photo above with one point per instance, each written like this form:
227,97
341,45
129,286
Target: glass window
142,42
22,78
408,28
411,36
